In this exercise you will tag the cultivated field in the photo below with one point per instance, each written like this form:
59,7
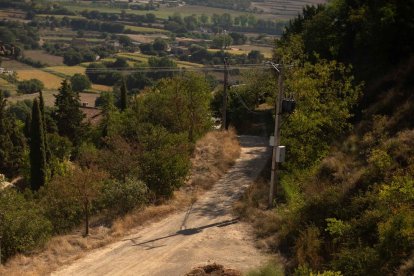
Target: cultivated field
245,49
66,70
49,80
285,9
138,57
16,15
39,55
147,38
145,30
266,51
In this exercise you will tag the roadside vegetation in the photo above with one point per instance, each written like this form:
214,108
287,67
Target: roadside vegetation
344,204
75,173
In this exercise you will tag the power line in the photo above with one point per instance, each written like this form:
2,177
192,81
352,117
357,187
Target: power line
158,69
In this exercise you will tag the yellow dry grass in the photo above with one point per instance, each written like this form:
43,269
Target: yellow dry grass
100,87
214,154
49,80
218,150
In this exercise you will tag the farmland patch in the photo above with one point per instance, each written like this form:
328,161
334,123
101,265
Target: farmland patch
41,56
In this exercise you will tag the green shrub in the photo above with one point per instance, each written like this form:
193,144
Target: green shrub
23,226
165,161
122,197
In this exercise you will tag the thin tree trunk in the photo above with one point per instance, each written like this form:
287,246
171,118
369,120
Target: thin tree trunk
86,218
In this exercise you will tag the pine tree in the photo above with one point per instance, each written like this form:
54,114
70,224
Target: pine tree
68,114
124,96
38,170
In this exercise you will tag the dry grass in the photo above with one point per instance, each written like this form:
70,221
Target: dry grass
49,80
214,154
100,87
67,70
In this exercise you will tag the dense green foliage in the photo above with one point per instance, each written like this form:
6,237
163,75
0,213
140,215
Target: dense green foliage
347,205
38,167
68,116
125,162
12,144
80,83
23,225
124,96
30,86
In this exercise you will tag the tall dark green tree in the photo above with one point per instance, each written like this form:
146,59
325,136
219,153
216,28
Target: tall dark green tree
44,121
12,142
68,114
124,96
38,164
27,125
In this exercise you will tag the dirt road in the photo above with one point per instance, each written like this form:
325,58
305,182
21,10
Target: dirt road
206,232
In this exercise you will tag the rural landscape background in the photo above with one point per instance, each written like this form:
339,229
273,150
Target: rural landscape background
119,118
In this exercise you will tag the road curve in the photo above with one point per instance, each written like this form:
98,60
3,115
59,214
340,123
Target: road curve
206,232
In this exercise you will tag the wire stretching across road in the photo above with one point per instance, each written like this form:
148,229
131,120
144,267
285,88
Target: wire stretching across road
174,69
164,69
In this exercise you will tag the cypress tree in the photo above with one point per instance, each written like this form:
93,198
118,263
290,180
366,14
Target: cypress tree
38,168
42,113
28,125
124,96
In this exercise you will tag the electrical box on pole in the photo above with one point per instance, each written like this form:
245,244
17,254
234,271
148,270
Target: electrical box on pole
288,106
280,154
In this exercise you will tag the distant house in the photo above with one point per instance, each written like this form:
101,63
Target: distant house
5,71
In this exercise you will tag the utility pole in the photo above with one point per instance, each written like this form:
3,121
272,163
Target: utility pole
1,235
276,137
224,111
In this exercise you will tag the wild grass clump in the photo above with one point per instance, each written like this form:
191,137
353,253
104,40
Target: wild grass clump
269,269
214,154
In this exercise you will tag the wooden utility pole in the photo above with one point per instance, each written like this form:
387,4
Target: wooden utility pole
1,235
276,137
224,111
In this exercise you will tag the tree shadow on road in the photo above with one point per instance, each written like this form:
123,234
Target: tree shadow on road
187,232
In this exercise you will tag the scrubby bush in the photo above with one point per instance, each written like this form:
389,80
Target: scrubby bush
122,197
30,86
23,226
